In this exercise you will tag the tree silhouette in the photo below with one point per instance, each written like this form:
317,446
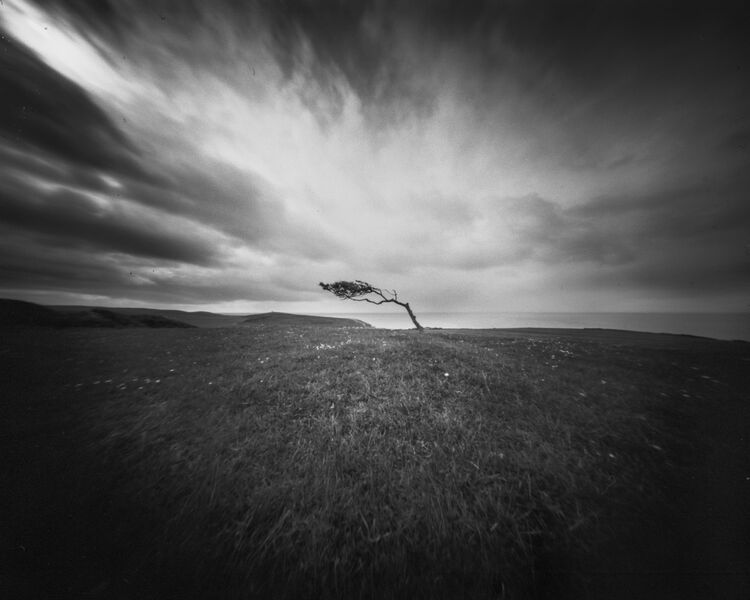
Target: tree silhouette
358,291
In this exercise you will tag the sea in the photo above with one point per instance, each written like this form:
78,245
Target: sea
723,326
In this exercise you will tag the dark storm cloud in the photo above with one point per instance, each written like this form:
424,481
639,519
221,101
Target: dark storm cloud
714,205
588,43
73,217
75,239
68,210
53,132
60,150
688,276
690,239
43,111
668,239
636,58
687,240
33,261
737,141
234,202
229,200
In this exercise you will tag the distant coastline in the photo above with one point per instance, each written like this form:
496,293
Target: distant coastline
720,326
723,326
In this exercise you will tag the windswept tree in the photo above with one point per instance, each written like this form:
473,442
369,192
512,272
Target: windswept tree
361,291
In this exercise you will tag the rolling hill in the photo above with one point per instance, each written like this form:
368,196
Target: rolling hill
288,319
17,313
196,319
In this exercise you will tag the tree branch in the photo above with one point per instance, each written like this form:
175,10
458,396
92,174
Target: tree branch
358,291
367,300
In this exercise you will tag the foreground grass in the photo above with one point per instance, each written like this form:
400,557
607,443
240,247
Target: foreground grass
337,463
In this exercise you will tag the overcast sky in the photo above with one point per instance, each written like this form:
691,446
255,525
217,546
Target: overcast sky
509,156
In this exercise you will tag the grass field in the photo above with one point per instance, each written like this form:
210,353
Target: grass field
284,460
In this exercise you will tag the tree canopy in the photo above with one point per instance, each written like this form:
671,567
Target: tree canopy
361,291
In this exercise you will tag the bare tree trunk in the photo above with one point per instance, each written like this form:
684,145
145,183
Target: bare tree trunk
411,316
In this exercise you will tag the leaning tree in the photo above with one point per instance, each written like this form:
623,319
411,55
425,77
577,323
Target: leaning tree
361,291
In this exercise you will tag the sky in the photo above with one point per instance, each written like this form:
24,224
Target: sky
475,156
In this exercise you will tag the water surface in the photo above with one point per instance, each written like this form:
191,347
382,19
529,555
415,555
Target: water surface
726,326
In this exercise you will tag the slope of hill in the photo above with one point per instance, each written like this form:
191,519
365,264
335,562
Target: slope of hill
17,313
287,319
197,319
100,317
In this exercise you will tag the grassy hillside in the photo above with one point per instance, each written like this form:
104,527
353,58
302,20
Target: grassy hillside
339,462
194,318
207,319
277,319
16,313
101,317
